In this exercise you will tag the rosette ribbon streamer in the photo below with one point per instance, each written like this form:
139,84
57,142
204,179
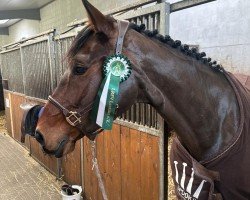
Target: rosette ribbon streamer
116,68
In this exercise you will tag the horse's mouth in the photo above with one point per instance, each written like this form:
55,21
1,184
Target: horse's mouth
58,153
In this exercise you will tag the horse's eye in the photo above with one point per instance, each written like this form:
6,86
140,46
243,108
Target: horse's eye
79,70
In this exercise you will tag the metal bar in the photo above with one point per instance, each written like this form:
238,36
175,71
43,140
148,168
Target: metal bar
30,38
129,6
133,113
7,51
128,115
124,116
28,43
36,99
5,83
64,36
59,168
181,5
156,21
23,70
145,20
154,125
137,113
162,158
142,111
59,64
140,12
150,22
148,115
138,127
139,20
115,11
82,162
164,18
152,115
52,62
11,116
164,30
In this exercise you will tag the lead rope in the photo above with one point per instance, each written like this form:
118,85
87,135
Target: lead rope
97,171
122,27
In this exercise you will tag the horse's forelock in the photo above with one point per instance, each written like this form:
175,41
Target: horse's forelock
79,41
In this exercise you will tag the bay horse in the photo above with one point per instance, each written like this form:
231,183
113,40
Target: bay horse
206,106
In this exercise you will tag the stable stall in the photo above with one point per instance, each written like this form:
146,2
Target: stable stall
130,156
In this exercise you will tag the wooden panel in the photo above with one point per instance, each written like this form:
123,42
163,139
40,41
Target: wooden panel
109,160
7,112
101,158
17,114
71,166
150,165
129,163
49,162
90,181
112,162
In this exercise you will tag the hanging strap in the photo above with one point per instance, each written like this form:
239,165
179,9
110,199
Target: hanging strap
122,27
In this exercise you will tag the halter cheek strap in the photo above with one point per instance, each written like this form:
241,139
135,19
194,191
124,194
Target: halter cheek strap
122,27
74,118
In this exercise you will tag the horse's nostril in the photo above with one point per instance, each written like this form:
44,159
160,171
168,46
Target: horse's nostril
39,137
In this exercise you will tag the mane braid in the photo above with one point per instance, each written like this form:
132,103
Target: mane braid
193,52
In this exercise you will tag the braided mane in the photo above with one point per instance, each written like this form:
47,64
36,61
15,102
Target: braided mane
184,48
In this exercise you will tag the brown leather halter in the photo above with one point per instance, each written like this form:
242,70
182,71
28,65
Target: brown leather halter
74,118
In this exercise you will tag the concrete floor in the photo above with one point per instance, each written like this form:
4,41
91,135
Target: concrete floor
21,177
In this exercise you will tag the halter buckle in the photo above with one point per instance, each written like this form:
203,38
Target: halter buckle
73,119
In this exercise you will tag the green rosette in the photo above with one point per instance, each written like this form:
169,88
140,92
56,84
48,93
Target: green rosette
116,69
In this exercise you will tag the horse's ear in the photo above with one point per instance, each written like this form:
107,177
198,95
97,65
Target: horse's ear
96,18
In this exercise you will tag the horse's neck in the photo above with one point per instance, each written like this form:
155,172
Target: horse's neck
196,101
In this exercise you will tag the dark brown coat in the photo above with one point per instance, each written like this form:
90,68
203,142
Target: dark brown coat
227,172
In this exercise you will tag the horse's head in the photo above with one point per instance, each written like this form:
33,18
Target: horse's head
78,88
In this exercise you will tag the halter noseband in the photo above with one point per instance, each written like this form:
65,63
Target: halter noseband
74,118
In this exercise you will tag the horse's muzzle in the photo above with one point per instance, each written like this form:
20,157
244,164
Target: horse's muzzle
29,121
58,153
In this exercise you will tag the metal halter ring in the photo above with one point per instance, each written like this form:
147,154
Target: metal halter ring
73,119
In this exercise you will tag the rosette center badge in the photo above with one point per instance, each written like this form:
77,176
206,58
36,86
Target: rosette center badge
118,65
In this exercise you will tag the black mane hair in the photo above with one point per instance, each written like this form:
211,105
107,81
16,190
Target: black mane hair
79,41
184,48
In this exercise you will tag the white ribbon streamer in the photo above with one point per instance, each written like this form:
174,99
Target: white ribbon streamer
102,104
